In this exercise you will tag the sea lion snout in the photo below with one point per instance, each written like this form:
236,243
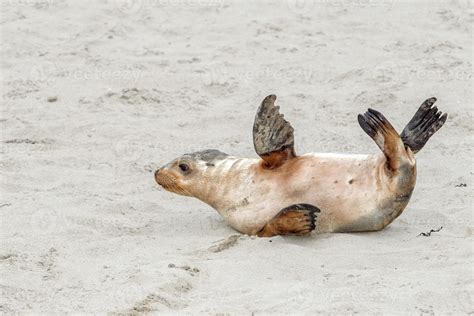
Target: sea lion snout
164,178
172,180
157,175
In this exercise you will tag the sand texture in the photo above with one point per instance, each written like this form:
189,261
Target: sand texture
96,95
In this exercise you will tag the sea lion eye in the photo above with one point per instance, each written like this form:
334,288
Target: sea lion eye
184,167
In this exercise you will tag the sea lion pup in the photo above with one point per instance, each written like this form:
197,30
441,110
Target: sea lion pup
283,193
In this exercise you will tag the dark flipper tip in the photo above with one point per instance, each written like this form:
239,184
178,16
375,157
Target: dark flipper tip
426,121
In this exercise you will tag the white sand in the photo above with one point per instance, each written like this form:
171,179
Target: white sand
85,228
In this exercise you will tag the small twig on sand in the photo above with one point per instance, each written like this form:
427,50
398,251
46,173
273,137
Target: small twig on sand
431,231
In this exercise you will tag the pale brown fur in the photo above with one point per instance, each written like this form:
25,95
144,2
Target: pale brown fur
354,192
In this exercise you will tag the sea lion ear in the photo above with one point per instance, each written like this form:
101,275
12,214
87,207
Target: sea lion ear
272,135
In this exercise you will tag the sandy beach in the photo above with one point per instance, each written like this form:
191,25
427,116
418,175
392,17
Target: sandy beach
96,95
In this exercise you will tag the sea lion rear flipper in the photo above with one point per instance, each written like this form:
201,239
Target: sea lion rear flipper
384,135
297,219
272,135
427,121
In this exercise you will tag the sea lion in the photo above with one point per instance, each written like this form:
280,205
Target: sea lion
284,193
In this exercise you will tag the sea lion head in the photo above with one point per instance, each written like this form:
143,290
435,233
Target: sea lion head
186,175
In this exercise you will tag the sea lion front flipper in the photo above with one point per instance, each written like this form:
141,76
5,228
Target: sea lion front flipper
272,135
297,219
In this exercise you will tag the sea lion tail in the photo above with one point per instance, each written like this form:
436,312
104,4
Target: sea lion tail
426,121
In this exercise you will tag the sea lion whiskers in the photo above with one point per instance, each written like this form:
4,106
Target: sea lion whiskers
170,183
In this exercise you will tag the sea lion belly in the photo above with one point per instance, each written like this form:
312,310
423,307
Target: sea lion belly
344,187
348,189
